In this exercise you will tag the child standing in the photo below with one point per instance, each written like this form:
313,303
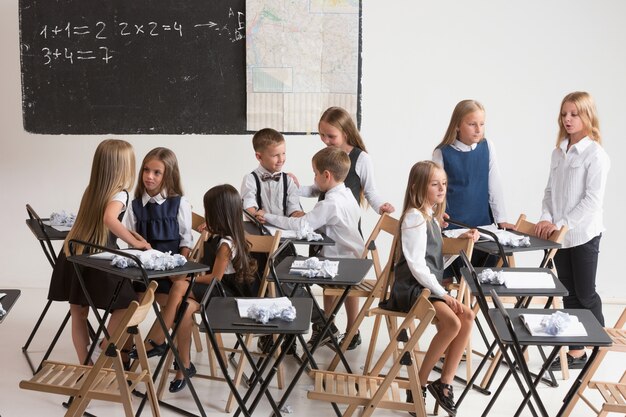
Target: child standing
162,215
337,129
337,215
419,265
475,195
98,221
573,197
267,188
227,250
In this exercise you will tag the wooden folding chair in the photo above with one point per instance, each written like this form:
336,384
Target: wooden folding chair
614,394
451,248
106,380
373,391
369,289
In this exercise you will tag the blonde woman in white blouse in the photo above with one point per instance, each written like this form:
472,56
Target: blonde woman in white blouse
573,197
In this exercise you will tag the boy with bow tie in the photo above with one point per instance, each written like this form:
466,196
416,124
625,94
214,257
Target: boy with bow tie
267,188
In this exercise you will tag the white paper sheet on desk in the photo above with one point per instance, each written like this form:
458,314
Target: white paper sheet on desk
243,304
107,256
504,236
286,234
59,228
533,324
528,280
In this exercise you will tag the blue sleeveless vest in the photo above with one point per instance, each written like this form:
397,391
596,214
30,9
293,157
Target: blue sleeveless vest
158,223
468,184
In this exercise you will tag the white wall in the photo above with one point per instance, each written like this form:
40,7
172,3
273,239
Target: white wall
419,59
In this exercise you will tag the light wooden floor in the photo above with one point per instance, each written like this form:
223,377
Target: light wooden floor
15,402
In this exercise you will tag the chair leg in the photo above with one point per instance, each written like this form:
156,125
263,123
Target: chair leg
585,382
165,372
372,346
197,339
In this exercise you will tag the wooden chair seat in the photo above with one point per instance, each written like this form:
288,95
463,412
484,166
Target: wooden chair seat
345,388
67,379
614,395
106,379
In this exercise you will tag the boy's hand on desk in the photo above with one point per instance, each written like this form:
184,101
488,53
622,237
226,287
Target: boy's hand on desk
544,229
297,214
260,216
386,208
507,226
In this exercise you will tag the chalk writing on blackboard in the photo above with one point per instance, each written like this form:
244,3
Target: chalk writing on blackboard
139,66
100,32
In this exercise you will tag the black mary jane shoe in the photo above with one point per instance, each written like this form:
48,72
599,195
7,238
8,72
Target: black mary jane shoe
409,398
178,384
157,350
437,389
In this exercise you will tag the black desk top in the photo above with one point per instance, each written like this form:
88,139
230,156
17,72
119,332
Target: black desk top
596,336
558,291
8,300
253,229
351,272
535,244
53,234
223,315
135,272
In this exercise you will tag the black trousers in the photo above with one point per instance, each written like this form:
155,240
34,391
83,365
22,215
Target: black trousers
577,267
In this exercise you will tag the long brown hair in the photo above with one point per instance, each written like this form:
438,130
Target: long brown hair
223,212
171,176
112,171
588,114
416,195
462,109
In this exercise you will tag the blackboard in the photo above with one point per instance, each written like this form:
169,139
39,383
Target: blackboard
133,66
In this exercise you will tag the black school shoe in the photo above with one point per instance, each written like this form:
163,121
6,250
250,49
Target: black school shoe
572,362
265,343
157,350
178,384
356,341
437,389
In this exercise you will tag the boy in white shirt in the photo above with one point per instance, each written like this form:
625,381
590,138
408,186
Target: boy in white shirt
337,215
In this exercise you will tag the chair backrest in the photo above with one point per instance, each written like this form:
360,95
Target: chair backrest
197,220
390,226
528,228
454,246
265,245
196,252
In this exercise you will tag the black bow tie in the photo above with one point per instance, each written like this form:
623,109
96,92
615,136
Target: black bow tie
271,177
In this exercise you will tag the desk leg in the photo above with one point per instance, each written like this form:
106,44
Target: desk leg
546,365
580,384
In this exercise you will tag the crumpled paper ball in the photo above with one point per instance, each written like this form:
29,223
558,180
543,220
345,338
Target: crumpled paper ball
151,260
62,219
488,276
556,323
265,314
306,232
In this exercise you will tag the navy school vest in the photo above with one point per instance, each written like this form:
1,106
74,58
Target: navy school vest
158,223
468,185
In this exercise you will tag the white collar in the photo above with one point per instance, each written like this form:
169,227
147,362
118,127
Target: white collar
579,147
262,170
159,198
463,147
336,188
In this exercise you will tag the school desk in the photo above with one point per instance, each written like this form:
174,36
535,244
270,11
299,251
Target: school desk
139,274
351,272
45,235
8,301
224,318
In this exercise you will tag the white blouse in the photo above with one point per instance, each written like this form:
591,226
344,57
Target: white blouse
414,239
575,190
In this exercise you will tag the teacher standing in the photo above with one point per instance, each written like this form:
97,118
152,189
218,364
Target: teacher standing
573,197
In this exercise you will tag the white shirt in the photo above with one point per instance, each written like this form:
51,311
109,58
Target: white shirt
414,239
228,241
496,194
364,168
575,190
337,216
271,193
184,217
